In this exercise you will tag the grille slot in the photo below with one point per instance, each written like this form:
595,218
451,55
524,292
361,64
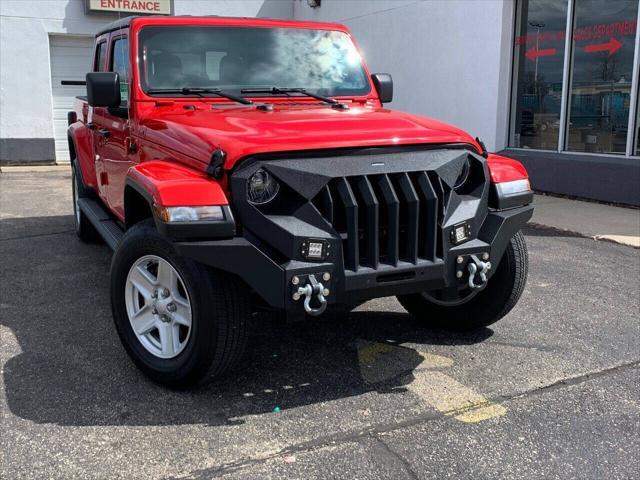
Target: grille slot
384,218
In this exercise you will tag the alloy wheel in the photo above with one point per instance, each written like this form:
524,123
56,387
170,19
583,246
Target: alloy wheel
158,306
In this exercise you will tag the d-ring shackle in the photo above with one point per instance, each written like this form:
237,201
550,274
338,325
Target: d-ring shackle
309,290
481,268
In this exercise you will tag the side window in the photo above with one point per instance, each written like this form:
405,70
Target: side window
120,65
101,56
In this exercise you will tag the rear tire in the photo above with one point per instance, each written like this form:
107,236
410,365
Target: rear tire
84,229
486,307
211,329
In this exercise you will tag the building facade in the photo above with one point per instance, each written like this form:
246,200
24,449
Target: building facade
553,83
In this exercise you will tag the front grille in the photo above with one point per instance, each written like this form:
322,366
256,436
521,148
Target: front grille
386,218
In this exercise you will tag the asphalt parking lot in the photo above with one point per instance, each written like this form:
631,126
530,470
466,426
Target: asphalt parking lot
551,391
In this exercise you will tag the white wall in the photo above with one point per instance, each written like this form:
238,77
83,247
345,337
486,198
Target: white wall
235,8
449,59
25,81
25,26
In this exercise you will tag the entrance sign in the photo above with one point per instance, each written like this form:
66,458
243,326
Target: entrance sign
158,7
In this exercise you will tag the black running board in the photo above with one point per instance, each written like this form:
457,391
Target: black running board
106,226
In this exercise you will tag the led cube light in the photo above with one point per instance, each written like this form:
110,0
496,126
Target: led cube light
315,249
460,233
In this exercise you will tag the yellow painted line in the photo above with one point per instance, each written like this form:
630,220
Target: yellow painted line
368,352
383,361
435,361
452,398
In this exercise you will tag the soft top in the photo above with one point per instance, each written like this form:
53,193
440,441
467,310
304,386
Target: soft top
116,25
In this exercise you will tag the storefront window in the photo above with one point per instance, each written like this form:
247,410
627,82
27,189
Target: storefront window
603,45
539,56
598,77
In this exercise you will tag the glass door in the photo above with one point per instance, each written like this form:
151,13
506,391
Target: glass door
601,75
538,69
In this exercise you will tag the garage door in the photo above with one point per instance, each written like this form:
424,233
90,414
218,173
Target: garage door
70,60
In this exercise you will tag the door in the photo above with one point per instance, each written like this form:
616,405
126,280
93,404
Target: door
70,61
112,132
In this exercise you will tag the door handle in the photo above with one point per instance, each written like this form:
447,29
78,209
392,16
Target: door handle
103,132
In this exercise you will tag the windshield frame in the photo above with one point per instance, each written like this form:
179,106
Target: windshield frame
366,93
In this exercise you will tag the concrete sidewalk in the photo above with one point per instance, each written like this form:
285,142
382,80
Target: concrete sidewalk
588,219
62,167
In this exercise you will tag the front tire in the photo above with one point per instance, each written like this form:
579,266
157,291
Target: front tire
500,295
177,319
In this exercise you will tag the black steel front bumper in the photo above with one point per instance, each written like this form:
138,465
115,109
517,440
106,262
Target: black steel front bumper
388,221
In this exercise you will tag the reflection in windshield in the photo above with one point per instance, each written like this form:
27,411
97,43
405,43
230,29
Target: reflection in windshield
313,59
233,58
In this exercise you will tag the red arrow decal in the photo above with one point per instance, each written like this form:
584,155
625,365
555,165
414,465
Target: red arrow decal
534,53
612,46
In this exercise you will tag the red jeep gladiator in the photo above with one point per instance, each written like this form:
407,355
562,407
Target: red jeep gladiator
235,165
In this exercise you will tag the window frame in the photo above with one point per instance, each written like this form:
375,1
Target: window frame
115,36
98,51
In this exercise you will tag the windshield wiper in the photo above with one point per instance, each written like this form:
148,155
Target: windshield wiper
201,91
282,90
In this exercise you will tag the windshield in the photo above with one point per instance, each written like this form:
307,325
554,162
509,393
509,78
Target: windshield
234,58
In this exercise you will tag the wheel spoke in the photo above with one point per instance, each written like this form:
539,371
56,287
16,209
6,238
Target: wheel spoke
167,276
143,321
169,338
182,315
142,280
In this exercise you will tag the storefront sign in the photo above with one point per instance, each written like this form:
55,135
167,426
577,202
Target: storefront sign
589,32
131,6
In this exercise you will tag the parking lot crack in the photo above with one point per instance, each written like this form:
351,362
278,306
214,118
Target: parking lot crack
35,235
571,381
387,451
376,430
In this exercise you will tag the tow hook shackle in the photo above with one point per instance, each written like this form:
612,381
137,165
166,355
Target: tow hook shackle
313,289
478,268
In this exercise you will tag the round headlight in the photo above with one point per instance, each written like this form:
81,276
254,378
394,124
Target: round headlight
463,176
262,187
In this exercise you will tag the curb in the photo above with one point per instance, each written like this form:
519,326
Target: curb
625,240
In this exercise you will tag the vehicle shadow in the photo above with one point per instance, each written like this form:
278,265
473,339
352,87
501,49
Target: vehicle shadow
63,362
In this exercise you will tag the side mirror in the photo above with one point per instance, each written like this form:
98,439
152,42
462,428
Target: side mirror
384,85
103,89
